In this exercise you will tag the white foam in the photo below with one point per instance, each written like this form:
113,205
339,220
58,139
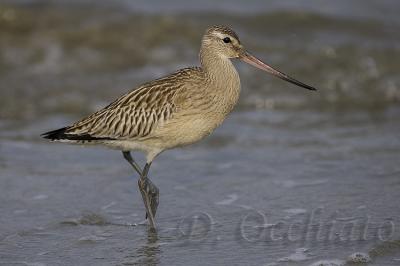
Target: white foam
295,211
295,183
29,263
299,255
246,207
105,207
271,264
40,197
35,264
231,198
333,262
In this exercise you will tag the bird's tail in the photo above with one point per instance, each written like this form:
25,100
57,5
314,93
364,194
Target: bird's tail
57,134
62,134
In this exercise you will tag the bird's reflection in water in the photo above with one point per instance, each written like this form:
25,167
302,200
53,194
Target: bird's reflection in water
148,253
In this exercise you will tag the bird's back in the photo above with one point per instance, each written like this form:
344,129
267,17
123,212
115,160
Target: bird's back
138,113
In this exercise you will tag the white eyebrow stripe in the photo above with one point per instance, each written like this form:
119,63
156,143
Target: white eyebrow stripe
221,35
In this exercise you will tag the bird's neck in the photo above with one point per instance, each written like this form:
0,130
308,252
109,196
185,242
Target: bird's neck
219,72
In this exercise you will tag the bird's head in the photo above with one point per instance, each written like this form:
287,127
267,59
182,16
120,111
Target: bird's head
225,43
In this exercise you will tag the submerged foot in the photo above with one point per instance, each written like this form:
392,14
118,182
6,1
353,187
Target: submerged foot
150,195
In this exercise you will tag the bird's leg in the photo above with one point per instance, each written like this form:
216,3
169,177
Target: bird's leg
150,195
128,157
149,191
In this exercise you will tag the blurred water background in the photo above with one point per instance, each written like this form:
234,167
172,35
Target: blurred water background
321,171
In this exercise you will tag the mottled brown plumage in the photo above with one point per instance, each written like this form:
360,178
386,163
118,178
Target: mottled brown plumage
172,111
136,114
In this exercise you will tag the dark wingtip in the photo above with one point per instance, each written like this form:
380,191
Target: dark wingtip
61,134
54,134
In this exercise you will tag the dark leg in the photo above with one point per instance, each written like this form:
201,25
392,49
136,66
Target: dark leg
150,195
149,191
128,157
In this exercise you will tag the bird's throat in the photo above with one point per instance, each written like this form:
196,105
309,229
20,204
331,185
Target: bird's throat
219,71
223,80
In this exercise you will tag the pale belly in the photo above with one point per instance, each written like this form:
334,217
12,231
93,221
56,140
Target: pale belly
190,126
189,132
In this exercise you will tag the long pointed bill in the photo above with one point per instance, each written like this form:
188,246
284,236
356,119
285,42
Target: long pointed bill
248,58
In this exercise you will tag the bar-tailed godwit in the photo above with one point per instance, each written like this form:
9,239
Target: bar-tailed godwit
172,111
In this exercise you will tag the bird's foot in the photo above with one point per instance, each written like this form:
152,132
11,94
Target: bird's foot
150,195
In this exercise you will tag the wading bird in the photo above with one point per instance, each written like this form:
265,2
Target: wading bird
172,111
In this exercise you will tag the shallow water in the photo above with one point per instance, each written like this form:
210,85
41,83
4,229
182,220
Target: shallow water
291,178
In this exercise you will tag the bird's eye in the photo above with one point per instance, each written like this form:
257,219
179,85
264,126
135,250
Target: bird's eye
227,40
